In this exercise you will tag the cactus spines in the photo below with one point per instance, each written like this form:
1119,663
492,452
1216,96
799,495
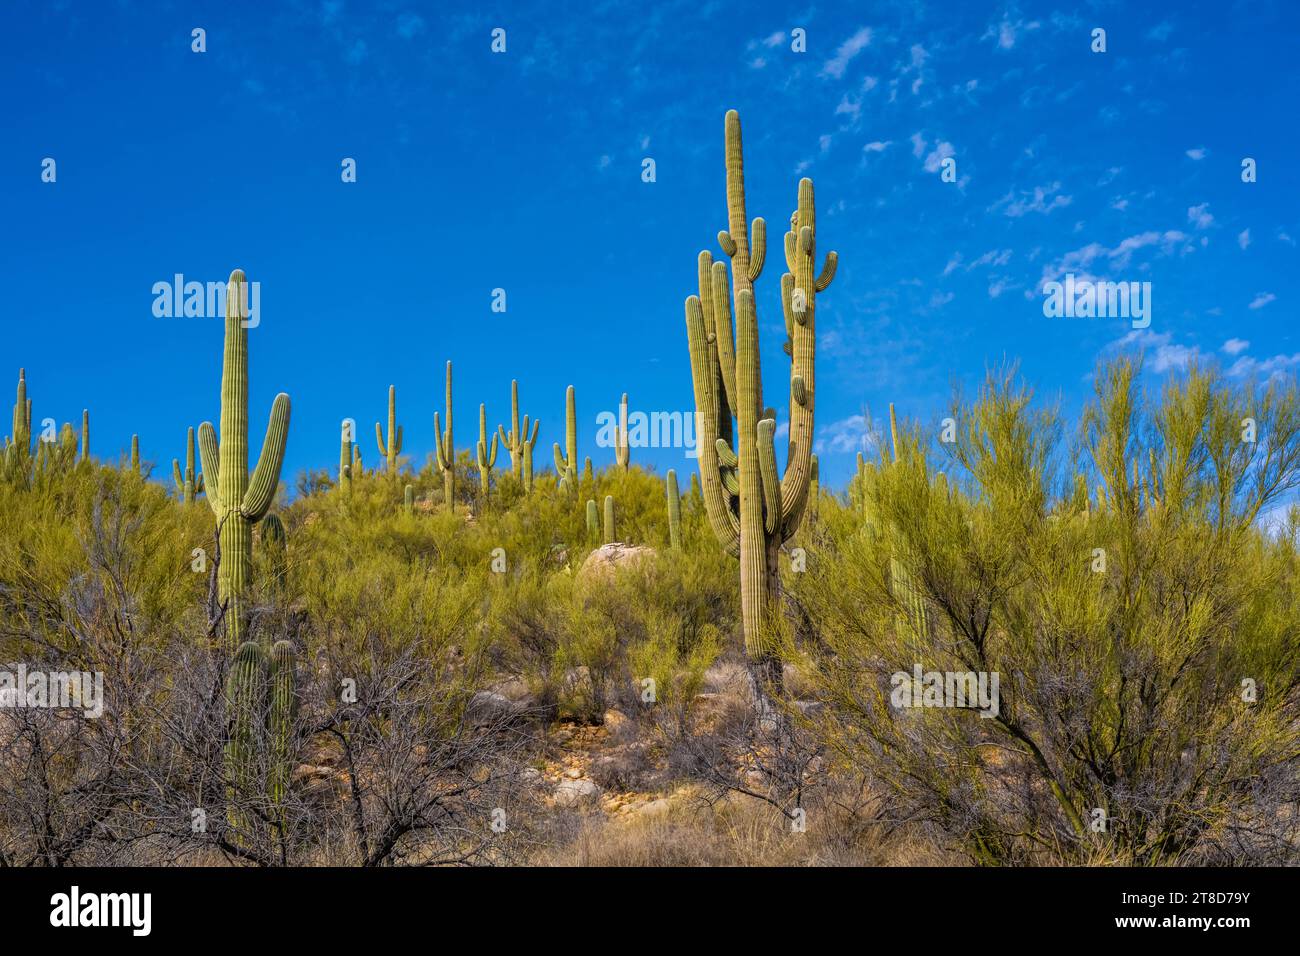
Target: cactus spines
593,518
188,485
283,689
237,500
85,434
674,512
446,451
244,694
566,460
409,499
611,534
622,451
135,454
751,509
486,459
518,442
390,449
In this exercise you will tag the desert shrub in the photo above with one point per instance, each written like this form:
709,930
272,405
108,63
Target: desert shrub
1123,610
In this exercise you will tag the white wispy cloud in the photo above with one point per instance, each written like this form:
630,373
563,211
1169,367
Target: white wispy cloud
845,436
1041,199
940,152
1235,346
876,146
1261,299
1198,153
1199,216
1243,238
850,48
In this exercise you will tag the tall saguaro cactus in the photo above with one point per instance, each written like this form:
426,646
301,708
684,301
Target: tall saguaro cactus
752,509
135,454
85,434
446,451
345,459
485,459
187,483
566,461
21,436
238,502
393,447
518,442
622,451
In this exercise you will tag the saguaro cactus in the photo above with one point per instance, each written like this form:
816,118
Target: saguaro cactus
244,690
358,466
135,454
751,509
409,502
611,533
85,435
275,542
486,460
237,501
566,461
518,442
814,487
188,485
446,451
345,460
21,437
622,451
284,697
674,512
393,447
593,518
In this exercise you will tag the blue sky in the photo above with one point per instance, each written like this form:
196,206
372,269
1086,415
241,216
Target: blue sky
522,171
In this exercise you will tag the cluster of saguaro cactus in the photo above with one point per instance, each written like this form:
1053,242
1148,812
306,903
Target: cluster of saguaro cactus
259,686
188,484
237,501
390,449
752,509
566,459
446,451
485,458
674,512
518,442
622,450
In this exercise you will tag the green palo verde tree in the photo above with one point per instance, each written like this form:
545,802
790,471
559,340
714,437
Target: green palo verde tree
237,501
752,509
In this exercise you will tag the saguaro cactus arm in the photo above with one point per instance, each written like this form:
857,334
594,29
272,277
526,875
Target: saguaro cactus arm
266,476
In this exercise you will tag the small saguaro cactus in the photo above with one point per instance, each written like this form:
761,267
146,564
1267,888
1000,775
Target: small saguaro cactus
238,502
752,509
21,437
518,442
345,460
393,447
409,503
188,485
611,533
135,454
283,691
275,543
85,434
593,518
446,451
358,466
674,512
486,459
622,451
566,460
244,693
